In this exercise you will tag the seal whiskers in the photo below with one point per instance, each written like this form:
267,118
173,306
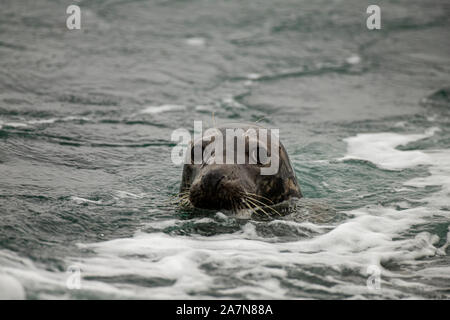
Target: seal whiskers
181,199
257,207
258,196
262,204
252,210
251,196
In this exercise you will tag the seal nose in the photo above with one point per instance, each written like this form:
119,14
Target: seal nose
218,188
212,180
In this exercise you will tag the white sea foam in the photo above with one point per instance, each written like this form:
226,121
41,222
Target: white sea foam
439,176
43,121
380,149
263,268
196,41
371,236
365,240
253,76
353,59
10,288
14,124
74,118
40,283
80,200
198,265
163,108
62,119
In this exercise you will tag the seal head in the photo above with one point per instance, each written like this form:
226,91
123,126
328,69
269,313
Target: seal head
214,184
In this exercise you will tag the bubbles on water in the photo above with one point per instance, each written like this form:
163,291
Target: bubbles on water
353,59
380,149
196,41
80,200
163,108
10,288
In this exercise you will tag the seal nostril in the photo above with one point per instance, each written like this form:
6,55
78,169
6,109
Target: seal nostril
218,182
211,181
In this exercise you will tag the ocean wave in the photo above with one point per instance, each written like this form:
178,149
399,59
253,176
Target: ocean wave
380,149
203,266
163,108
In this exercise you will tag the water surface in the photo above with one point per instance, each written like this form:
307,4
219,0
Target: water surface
85,124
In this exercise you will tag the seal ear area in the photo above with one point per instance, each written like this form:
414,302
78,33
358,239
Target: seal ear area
273,188
292,188
189,174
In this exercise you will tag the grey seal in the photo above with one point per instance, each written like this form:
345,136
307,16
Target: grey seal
239,186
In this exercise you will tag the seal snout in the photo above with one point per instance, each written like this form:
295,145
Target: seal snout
212,180
216,189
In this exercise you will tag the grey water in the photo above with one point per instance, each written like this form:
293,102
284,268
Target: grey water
86,118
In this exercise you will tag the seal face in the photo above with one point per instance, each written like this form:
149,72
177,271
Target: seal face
212,184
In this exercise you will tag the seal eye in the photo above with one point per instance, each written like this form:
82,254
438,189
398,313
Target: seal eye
201,146
192,154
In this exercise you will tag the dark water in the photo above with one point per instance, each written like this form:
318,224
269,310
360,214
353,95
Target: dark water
86,118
